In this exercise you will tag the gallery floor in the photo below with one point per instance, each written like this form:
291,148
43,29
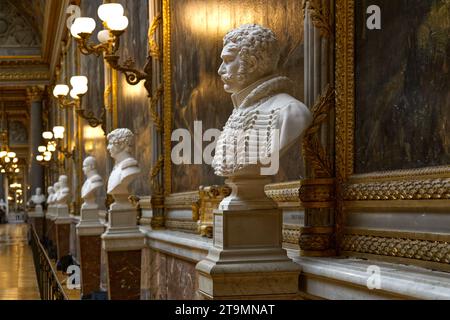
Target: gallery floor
17,274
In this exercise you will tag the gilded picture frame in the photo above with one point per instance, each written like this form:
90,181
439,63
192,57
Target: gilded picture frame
413,190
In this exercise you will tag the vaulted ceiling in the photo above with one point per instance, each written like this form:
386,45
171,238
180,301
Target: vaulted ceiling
30,40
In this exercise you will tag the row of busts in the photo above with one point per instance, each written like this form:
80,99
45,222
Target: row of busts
124,172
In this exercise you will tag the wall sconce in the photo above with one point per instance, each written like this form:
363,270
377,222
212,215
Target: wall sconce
115,23
54,141
79,89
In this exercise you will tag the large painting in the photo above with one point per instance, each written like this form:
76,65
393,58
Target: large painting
402,103
197,30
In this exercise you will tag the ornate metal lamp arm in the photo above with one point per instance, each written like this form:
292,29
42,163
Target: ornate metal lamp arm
90,117
87,48
66,152
64,103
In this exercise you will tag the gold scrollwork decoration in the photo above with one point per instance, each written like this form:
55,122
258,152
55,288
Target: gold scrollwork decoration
153,105
106,94
153,48
313,150
320,16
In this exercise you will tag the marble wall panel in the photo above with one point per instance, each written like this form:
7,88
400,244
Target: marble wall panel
94,140
171,278
133,103
197,30
402,86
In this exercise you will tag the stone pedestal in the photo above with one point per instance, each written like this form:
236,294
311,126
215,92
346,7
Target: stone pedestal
62,226
89,231
36,218
50,232
247,260
123,243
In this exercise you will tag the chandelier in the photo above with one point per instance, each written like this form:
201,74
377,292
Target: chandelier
8,158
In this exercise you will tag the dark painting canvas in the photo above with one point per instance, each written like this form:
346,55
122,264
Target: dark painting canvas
402,107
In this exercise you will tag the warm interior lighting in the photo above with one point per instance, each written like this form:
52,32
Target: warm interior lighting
51,147
82,25
39,158
47,154
108,11
3,154
79,85
17,170
118,24
60,90
42,149
47,135
103,36
11,154
215,18
59,132
7,160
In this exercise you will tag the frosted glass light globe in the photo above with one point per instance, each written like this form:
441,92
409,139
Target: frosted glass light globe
42,149
59,132
11,154
118,24
3,154
83,25
103,36
60,90
39,158
47,135
109,11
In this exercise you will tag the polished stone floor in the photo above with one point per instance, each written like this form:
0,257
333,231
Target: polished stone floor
17,274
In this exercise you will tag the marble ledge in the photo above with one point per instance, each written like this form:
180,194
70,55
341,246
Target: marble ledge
186,246
399,280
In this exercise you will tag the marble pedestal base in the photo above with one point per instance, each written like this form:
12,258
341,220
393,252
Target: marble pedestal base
62,225
36,218
89,231
123,243
247,260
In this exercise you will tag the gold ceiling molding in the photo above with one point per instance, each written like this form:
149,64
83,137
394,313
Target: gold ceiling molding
411,174
23,76
15,63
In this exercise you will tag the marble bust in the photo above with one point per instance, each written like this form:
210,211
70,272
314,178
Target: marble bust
63,193
51,195
93,182
125,168
56,187
38,198
266,119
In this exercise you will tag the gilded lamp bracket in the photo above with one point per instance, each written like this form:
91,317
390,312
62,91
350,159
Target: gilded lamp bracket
114,23
79,89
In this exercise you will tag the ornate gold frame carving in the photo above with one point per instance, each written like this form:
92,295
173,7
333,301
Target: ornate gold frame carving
428,188
167,103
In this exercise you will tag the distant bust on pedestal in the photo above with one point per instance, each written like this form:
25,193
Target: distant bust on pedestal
62,196
266,119
51,196
38,198
125,168
93,182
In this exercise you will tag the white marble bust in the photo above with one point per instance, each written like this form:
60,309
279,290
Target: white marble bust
38,198
51,195
56,187
125,168
93,182
266,119
63,193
